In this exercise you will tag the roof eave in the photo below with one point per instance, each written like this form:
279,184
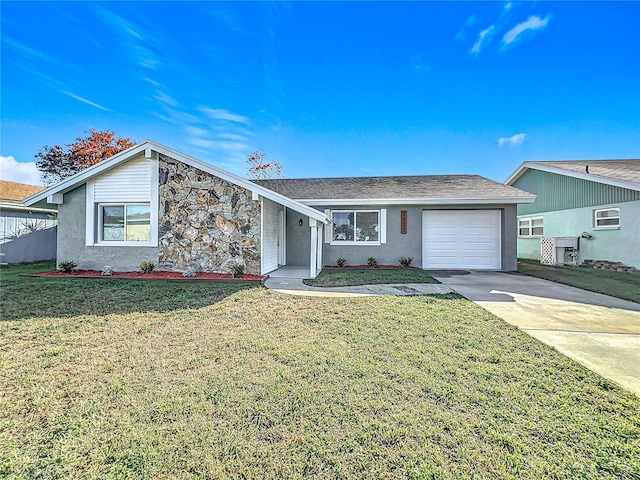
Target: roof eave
570,173
419,201
81,177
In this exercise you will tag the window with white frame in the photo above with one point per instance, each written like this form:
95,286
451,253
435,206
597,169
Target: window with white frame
530,227
124,222
355,226
607,218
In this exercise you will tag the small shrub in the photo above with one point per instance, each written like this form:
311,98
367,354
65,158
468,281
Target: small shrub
341,261
406,261
238,270
107,271
147,266
67,266
372,262
189,272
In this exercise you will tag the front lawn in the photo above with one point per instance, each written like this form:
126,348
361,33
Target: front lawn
69,297
257,384
617,284
345,277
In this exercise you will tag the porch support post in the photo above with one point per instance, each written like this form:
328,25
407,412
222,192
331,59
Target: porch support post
319,243
313,264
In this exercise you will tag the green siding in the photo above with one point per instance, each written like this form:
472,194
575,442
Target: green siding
561,192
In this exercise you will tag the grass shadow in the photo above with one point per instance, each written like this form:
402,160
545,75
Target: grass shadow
23,297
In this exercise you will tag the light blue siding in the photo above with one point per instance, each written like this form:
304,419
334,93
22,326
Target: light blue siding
561,192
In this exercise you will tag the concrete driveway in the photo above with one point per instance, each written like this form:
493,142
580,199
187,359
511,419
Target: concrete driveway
601,332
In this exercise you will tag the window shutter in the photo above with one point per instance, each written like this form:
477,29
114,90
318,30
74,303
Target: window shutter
383,225
328,229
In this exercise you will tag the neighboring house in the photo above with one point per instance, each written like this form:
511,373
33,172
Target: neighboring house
150,202
596,201
27,234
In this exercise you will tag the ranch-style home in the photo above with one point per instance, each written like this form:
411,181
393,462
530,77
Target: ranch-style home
150,202
594,202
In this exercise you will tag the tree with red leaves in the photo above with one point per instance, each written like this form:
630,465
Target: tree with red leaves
59,162
261,169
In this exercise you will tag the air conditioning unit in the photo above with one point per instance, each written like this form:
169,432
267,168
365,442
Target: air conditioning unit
553,250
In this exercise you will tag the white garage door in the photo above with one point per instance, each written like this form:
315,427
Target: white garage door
461,239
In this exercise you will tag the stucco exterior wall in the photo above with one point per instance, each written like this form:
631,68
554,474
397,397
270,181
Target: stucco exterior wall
298,240
398,245
71,240
620,245
410,244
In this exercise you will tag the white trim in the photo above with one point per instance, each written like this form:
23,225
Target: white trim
90,214
354,242
81,177
531,219
319,247
382,226
313,260
418,201
18,206
55,199
570,173
605,227
282,236
328,231
154,202
99,242
262,272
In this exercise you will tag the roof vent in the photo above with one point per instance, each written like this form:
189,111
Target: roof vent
586,169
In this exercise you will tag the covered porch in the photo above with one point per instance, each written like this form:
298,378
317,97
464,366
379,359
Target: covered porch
292,240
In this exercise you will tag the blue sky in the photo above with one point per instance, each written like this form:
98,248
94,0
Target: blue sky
327,89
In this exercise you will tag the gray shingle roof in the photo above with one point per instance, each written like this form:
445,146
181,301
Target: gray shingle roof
628,170
388,188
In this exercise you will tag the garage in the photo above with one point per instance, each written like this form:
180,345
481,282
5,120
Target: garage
461,239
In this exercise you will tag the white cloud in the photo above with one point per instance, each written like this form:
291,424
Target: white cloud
24,49
221,114
419,64
21,172
533,23
512,141
84,100
140,44
484,38
164,98
462,34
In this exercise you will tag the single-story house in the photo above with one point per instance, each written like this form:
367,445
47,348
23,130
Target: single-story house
596,202
27,234
150,202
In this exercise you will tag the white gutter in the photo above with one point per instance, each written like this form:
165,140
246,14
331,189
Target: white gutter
418,201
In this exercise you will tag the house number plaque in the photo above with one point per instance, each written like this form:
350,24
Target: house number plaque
403,222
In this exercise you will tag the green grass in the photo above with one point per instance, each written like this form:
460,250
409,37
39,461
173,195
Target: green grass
617,284
68,297
345,277
258,384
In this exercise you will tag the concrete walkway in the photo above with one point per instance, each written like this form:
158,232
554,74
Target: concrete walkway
295,286
601,332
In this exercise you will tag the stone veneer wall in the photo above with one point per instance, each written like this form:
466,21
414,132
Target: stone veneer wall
205,221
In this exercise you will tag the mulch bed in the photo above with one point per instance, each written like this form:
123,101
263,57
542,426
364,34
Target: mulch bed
156,275
367,267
